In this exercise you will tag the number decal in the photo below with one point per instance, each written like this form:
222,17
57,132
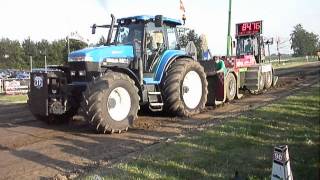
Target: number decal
38,82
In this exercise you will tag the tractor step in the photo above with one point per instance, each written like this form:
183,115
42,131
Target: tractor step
156,107
154,93
156,104
155,101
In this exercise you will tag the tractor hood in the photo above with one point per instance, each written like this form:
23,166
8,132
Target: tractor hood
102,53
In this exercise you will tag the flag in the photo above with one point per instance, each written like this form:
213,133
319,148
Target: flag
182,6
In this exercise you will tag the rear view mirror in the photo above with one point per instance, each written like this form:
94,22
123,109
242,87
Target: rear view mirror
94,26
158,21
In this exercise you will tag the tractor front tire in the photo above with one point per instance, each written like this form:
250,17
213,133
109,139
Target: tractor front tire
111,103
184,88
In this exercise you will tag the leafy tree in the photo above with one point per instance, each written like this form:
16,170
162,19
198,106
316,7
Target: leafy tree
102,41
43,49
14,55
76,45
29,49
11,54
303,42
4,52
56,52
191,36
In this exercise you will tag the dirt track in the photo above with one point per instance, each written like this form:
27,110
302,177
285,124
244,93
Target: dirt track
30,149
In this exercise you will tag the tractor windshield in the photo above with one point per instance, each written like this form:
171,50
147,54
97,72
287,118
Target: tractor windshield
246,46
127,34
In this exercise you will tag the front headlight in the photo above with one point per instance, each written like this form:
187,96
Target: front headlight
110,61
72,73
82,73
80,58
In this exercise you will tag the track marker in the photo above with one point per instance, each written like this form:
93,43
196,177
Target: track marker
281,164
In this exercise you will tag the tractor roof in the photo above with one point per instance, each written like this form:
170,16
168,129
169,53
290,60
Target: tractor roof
151,18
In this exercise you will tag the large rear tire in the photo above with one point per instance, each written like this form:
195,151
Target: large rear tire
185,88
231,87
111,103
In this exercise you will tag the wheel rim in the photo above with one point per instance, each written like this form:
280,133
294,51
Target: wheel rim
119,104
232,88
192,89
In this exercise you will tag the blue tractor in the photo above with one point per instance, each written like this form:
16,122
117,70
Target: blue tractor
140,65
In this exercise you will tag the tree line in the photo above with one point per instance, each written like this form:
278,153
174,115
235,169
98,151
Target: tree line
304,43
16,55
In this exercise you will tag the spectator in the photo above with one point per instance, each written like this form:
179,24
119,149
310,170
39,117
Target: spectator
220,66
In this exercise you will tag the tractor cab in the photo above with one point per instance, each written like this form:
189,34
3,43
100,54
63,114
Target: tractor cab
151,37
249,41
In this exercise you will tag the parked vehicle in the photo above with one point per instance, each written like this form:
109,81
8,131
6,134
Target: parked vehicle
22,75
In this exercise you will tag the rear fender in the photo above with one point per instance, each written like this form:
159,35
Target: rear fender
166,60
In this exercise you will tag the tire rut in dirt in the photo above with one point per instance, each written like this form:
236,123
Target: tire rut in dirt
172,87
97,107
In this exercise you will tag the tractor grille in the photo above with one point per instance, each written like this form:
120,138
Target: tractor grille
84,71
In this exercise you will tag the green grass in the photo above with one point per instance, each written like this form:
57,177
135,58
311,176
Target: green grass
244,144
292,62
13,98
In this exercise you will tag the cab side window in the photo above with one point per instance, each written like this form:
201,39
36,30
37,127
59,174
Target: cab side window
155,39
172,38
155,45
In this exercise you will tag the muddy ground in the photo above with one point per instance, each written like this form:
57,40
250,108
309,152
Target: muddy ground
30,149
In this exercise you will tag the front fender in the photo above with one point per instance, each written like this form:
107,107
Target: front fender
128,72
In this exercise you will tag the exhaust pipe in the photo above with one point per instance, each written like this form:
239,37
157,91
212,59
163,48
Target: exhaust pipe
111,29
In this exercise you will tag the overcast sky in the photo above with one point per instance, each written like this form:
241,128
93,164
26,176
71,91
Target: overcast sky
55,19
